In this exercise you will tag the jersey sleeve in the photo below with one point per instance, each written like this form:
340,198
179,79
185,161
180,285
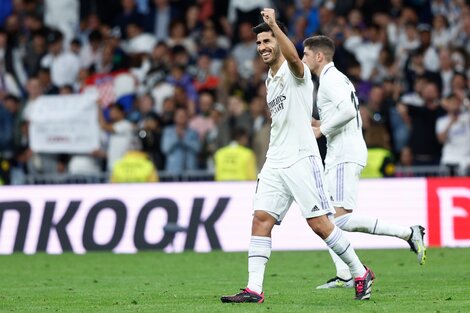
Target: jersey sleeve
340,92
441,124
301,80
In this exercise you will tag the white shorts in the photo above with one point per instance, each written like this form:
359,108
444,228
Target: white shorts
343,181
303,182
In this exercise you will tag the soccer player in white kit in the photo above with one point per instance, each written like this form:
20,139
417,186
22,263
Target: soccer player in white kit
293,169
346,155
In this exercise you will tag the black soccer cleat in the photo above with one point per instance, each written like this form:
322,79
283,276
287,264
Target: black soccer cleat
246,296
363,285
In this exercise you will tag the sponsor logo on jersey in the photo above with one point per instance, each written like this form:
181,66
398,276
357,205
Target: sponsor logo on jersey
277,104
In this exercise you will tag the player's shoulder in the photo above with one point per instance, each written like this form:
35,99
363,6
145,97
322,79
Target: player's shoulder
336,77
285,70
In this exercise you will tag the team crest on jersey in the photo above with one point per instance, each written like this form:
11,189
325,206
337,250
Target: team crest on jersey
281,82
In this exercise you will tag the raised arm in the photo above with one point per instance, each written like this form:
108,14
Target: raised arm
285,44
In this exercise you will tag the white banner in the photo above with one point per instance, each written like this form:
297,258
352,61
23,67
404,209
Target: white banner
131,217
64,124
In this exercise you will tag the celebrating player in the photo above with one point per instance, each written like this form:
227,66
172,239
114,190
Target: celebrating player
293,169
346,155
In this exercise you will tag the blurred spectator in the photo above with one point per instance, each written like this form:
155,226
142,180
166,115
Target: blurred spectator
159,63
404,166
5,10
446,70
62,15
399,129
385,68
204,79
407,43
307,10
240,11
150,132
260,130
121,133
179,36
34,90
138,42
236,161
159,18
161,91
425,148
453,132
194,19
63,65
211,46
183,85
218,136
375,120
180,144
168,111
440,32
366,47
106,10
36,51
342,57
91,53
238,115
245,51
298,34
75,46
129,13
201,122
12,75
10,118
134,167
230,81
430,55
48,87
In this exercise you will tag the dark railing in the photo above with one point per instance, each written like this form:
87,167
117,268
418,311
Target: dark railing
102,178
204,175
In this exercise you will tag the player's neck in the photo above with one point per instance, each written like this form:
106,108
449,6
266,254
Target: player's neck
276,65
320,69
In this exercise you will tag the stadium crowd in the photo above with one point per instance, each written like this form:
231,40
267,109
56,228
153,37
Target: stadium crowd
199,82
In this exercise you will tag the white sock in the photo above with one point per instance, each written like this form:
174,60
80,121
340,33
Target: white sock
342,269
258,255
341,246
371,225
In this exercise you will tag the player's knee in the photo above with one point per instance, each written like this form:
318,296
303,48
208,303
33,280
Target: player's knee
262,223
321,225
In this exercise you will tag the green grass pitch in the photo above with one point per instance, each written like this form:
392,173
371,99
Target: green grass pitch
194,282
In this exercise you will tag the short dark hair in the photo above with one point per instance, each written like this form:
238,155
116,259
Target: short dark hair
119,106
322,43
239,133
263,27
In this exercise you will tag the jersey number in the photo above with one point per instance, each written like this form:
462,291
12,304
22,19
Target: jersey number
356,106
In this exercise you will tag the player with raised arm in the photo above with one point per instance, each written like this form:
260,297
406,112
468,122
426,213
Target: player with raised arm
346,155
293,168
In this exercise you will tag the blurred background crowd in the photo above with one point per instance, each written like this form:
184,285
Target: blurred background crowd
195,106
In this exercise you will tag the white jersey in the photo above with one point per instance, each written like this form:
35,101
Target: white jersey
290,101
337,103
456,149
